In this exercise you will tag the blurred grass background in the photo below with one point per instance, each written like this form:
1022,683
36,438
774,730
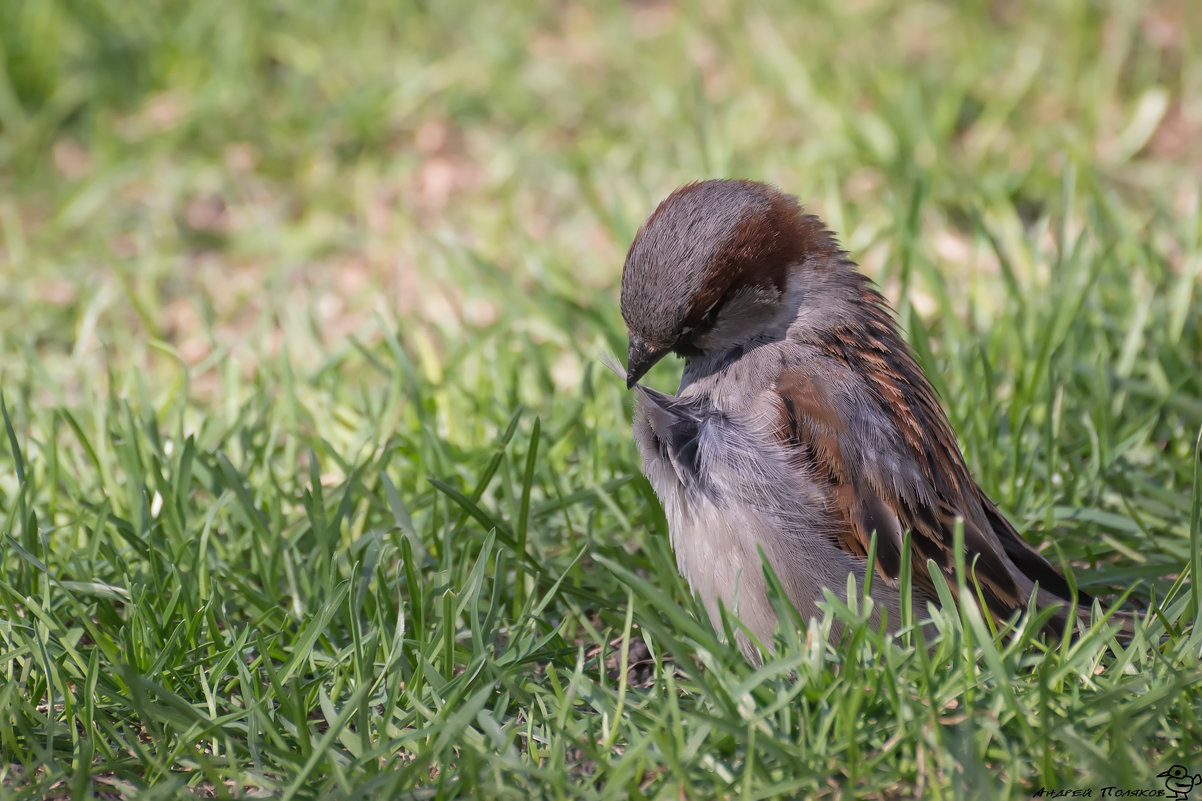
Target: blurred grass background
266,268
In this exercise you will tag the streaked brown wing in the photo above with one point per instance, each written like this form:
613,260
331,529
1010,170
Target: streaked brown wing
936,487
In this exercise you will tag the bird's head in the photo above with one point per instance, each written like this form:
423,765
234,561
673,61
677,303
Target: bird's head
709,264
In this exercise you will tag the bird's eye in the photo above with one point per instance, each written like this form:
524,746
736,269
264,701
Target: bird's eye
703,326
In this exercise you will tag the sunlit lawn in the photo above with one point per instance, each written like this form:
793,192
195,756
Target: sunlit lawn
312,483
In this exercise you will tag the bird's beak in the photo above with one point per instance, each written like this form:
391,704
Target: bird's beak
641,358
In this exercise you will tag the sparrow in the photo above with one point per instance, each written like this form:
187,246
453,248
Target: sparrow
803,424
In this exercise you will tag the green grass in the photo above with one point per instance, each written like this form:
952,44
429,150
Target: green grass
312,484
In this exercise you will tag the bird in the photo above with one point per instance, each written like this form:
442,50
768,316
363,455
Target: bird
803,425
1179,781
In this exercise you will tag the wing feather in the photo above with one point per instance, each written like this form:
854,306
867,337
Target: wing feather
865,420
